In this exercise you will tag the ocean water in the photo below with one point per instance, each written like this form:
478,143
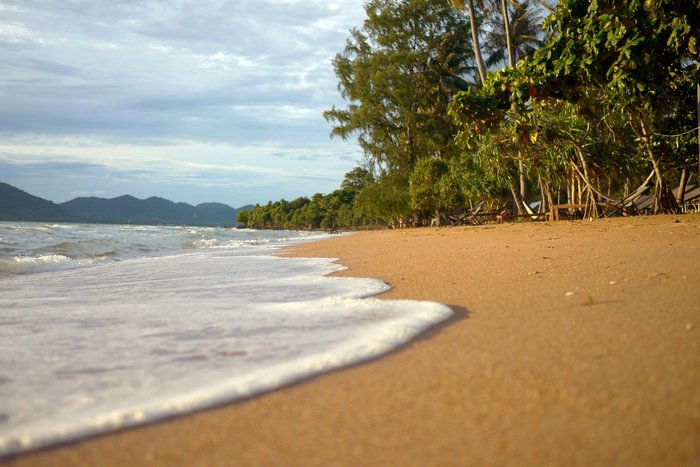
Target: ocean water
106,326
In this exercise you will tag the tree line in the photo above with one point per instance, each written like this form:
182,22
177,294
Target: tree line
464,103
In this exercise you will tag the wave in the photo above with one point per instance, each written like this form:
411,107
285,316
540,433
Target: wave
263,241
42,263
64,255
57,226
27,248
204,243
150,338
79,250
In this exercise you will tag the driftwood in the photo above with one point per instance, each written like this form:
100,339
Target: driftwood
467,218
553,214
502,217
691,199
628,205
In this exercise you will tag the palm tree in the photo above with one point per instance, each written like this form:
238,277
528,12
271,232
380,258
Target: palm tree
523,38
475,34
512,35
506,30
525,25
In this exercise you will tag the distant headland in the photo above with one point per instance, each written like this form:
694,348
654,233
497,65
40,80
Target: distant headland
18,205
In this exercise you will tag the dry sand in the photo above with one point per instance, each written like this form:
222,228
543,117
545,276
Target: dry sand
574,343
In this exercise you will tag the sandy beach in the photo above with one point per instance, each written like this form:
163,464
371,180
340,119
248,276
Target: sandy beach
573,344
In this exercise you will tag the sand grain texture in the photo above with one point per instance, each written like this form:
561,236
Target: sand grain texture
574,343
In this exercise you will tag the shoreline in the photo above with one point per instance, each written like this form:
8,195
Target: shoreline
575,343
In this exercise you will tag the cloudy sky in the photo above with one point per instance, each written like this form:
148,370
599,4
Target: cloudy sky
201,100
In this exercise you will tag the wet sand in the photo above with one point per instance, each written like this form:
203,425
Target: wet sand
573,343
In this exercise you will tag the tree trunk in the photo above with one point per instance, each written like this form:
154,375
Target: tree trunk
521,206
550,198
546,195
506,24
475,42
664,201
523,180
681,186
572,189
511,62
582,159
540,186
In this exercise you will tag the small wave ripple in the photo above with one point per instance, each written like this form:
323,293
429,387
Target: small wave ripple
42,263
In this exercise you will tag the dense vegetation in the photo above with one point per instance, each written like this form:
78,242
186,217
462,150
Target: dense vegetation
597,107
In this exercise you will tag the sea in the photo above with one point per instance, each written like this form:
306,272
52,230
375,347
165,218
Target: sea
104,327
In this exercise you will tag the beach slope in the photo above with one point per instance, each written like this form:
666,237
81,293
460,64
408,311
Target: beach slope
573,343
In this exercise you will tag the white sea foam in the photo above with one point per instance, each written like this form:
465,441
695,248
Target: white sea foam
204,243
90,350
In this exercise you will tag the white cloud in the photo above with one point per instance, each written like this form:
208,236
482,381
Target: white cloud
242,174
183,89
14,33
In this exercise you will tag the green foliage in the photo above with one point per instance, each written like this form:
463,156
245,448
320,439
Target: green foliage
608,96
397,74
632,48
385,202
356,180
426,185
626,66
336,209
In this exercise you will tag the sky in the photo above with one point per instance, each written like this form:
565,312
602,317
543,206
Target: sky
194,101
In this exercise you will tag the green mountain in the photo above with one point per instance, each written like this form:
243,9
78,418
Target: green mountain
16,205
129,210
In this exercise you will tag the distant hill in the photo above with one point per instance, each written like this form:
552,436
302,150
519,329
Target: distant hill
17,205
129,210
